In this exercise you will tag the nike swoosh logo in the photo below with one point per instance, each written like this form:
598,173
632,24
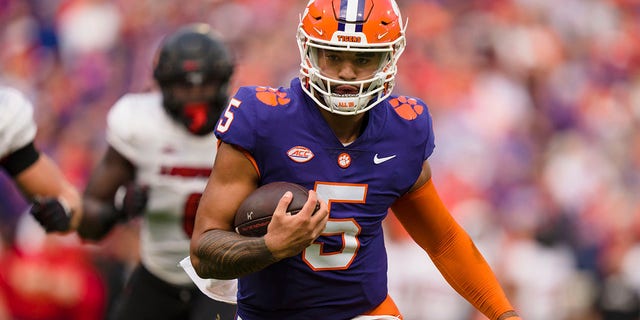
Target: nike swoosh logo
377,160
381,35
319,31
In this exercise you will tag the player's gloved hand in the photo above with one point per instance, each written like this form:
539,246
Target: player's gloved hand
133,202
53,214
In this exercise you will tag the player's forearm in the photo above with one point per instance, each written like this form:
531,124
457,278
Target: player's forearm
464,268
425,217
44,179
226,255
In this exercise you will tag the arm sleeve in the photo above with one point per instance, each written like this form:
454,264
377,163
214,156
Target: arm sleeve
430,224
20,159
239,129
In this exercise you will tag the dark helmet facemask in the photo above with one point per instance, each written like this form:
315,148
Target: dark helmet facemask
199,117
194,56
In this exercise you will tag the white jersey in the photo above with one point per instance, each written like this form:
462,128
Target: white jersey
17,127
175,164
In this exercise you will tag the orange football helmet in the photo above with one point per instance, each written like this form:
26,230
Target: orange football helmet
353,26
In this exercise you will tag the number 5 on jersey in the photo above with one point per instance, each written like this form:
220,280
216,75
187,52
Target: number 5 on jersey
227,119
313,255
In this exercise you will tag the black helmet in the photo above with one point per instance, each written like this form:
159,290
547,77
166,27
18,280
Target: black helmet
194,55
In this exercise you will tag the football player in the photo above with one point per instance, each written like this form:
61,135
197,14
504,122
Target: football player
57,203
338,131
161,147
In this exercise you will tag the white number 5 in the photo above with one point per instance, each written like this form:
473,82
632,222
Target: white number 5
314,255
224,124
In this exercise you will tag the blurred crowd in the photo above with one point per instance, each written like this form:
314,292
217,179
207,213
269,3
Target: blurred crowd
536,107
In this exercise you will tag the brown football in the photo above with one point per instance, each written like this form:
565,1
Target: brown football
254,214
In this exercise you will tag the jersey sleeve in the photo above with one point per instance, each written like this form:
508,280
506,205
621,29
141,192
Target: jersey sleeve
122,128
414,122
17,127
237,125
430,144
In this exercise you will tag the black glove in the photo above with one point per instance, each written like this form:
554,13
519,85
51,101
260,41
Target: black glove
51,214
134,201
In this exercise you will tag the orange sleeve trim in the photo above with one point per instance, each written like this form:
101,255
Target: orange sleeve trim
387,308
246,154
253,161
425,217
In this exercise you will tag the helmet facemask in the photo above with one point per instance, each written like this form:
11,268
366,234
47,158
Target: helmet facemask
193,70
384,41
197,113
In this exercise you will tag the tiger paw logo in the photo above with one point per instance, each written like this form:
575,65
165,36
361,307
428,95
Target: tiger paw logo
271,96
344,160
407,108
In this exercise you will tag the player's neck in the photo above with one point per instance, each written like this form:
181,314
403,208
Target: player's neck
346,128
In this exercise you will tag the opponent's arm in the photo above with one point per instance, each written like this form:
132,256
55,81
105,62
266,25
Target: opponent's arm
56,201
430,224
100,212
43,182
217,251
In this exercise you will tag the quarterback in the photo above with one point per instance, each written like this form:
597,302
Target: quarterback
340,132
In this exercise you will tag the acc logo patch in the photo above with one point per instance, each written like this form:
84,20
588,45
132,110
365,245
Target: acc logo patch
300,154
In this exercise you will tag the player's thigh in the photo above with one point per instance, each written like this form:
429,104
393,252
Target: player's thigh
147,297
205,308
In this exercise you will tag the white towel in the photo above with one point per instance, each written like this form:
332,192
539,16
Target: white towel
220,290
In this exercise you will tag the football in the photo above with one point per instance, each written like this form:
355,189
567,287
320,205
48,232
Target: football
254,214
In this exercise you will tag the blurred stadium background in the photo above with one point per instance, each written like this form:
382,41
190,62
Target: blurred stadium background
536,107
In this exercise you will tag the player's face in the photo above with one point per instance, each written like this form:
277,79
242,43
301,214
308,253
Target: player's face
348,65
192,93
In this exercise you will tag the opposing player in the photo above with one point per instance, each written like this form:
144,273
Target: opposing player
57,203
338,131
160,153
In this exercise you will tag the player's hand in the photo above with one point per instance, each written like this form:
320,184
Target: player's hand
287,235
53,214
134,201
509,315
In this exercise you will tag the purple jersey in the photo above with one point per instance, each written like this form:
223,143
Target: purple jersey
344,273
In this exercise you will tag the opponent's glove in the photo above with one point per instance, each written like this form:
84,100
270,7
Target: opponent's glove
133,201
52,214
